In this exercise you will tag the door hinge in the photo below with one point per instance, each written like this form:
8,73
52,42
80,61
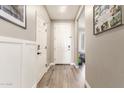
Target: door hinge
45,47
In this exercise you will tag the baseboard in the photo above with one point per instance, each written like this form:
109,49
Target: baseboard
35,85
40,77
74,64
64,63
87,84
51,64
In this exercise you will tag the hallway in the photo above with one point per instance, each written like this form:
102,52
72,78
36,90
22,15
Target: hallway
62,45
62,76
41,50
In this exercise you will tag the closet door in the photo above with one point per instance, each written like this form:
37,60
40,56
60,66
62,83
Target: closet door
41,40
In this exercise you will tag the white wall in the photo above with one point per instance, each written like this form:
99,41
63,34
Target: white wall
11,30
49,43
10,64
18,64
104,55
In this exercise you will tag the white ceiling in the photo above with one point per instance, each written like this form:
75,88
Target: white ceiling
57,13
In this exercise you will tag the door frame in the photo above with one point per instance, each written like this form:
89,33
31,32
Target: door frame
41,73
76,34
72,40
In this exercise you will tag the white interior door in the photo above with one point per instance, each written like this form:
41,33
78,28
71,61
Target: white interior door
42,45
62,43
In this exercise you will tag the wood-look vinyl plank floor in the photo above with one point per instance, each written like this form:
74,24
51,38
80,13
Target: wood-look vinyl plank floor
62,76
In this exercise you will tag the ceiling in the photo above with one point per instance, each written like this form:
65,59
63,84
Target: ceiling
62,12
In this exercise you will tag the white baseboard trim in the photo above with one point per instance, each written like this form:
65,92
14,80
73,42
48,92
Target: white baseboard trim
35,85
64,63
51,64
74,64
15,40
87,84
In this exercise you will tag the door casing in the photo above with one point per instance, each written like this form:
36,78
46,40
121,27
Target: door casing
41,39
63,42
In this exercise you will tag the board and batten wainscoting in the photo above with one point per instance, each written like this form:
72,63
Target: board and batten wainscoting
18,63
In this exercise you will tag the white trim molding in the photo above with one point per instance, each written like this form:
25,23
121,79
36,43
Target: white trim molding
87,84
18,57
14,40
48,67
79,12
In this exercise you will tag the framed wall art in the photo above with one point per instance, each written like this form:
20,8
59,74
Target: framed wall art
106,17
15,14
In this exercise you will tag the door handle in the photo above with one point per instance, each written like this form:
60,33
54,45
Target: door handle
38,53
45,47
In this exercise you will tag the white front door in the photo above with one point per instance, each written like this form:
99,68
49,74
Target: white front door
42,45
62,43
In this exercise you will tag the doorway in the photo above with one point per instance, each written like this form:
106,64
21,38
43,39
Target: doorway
42,46
62,42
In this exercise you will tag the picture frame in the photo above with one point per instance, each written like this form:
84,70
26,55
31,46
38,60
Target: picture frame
15,14
106,17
